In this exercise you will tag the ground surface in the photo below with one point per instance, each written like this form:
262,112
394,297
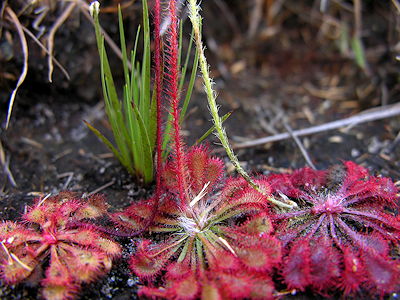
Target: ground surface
265,84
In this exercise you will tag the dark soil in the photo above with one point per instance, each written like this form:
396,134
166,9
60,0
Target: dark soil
50,149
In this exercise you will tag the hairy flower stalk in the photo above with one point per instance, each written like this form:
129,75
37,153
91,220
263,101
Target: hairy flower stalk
158,87
172,77
211,96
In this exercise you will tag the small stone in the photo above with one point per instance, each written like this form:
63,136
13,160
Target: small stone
130,282
355,152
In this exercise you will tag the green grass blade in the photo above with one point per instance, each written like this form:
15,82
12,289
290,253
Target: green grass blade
190,86
123,45
129,119
357,46
180,43
145,97
147,171
133,59
108,144
184,68
153,119
209,131
112,105
114,112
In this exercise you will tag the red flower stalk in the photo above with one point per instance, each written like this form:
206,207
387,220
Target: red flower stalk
158,86
171,90
75,255
342,234
219,243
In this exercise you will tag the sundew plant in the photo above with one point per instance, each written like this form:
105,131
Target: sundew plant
205,235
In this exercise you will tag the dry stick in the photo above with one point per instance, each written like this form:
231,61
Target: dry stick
99,189
24,45
5,162
85,10
255,18
57,63
84,7
300,145
396,4
384,112
211,97
50,41
357,18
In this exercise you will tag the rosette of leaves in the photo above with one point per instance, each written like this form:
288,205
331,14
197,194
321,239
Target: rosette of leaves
75,254
343,234
219,242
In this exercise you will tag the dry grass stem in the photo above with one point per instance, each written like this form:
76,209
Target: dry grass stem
50,40
300,145
85,10
25,52
5,163
363,117
39,43
103,187
255,18
396,4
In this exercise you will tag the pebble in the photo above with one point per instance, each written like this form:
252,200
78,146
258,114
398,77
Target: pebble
130,282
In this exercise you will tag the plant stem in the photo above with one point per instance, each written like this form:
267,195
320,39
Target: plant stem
172,92
211,97
158,86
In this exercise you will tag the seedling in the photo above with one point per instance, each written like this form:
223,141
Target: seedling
75,254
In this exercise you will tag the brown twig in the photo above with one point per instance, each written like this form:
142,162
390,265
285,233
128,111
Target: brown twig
366,116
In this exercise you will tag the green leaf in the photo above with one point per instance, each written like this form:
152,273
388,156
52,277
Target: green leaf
190,86
147,151
153,120
107,143
209,131
358,49
145,98
123,45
